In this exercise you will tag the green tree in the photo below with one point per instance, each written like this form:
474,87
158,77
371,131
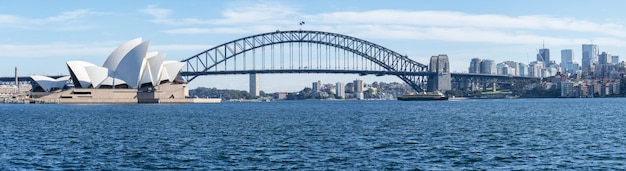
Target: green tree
223,93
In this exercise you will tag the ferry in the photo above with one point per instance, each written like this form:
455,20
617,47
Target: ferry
423,96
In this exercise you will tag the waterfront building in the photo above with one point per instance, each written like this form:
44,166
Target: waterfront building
340,90
254,85
49,84
8,90
589,57
568,89
614,88
488,67
475,66
317,86
130,74
358,89
329,88
280,95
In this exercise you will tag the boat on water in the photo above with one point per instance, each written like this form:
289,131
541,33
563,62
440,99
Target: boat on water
423,96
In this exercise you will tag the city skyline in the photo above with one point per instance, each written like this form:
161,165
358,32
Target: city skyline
34,37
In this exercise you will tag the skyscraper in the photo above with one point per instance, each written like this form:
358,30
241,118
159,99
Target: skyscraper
513,68
317,86
341,90
475,65
566,60
488,67
254,85
614,59
590,56
566,56
522,69
604,66
604,58
358,89
544,56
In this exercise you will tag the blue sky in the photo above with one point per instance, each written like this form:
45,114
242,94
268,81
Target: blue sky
39,36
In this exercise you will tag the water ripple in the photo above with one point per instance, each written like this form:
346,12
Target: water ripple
521,134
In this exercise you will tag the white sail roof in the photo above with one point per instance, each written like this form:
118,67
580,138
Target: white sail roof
171,69
47,83
77,68
118,54
130,64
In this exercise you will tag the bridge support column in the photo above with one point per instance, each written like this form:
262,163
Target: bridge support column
441,80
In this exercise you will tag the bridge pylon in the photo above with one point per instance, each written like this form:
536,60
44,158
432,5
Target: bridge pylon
441,79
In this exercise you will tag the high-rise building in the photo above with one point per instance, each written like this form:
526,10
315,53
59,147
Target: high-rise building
358,89
566,57
536,69
513,68
475,65
590,57
522,69
604,66
544,56
317,86
254,85
340,90
502,69
604,58
614,60
567,61
488,67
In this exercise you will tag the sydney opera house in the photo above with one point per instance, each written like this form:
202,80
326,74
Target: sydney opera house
130,74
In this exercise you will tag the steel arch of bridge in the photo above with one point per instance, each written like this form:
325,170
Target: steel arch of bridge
388,61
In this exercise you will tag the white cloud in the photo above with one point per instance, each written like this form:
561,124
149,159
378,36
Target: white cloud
53,50
162,16
65,16
88,50
446,26
8,19
65,21
266,13
225,30
158,13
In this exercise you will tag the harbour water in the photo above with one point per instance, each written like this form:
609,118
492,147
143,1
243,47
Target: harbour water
504,134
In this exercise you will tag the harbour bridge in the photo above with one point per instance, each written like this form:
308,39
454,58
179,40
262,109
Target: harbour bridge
304,51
